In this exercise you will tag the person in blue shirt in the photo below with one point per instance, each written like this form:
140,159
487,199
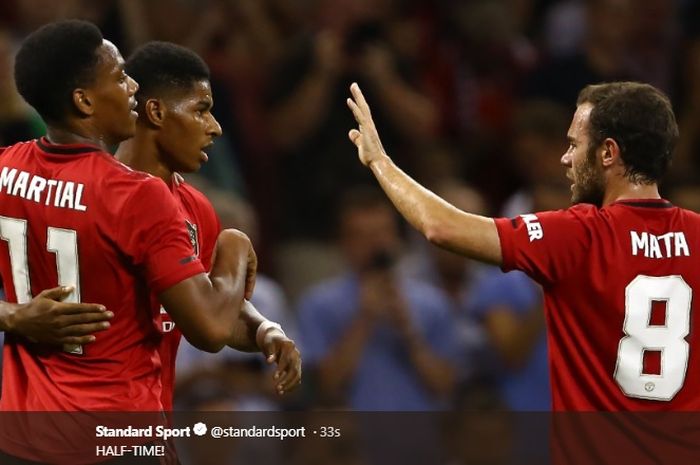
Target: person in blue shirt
511,309
376,340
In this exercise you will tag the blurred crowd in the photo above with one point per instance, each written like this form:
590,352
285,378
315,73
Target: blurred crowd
472,97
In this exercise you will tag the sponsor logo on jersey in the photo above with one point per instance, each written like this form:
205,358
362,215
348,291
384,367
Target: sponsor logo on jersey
192,231
534,228
167,325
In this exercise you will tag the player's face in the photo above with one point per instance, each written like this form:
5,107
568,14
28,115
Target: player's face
113,98
581,159
189,128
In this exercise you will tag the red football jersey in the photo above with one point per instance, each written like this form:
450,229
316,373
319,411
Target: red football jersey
618,284
73,215
203,226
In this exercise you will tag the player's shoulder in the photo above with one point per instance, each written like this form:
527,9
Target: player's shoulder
692,215
121,186
193,196
185,188
121,171
651,208
582,210
119,176
579,213
18,146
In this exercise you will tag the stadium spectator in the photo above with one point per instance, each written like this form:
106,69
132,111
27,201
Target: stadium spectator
603,56
376,341
306,118
458,278
17,120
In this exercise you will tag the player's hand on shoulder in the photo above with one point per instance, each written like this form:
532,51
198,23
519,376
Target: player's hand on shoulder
281,350
48,320
365,137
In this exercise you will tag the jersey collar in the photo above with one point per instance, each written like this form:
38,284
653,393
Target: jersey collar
645,203
66,149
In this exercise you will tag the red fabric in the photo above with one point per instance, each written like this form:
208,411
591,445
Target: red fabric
196,209
131,240
583,257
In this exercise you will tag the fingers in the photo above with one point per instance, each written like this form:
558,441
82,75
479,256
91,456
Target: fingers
80,330
355,136
359,98
251,272
356,112
249,286
57,293
87,318
287,376
76,340
98,310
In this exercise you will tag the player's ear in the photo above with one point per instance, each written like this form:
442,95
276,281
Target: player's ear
610,152
154,111
83,102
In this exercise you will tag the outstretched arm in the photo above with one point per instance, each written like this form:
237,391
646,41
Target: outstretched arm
441,223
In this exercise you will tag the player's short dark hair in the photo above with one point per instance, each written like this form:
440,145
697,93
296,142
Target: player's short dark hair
53,61
640,119
163,66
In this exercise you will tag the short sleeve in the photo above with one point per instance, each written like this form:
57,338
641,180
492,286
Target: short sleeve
153,233
210,233
547,246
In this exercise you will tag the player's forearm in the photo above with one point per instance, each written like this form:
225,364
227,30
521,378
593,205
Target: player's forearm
441,223
228,278
206,307
245,329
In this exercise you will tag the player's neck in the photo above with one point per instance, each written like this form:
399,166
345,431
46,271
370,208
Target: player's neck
141,154
628,190
57,135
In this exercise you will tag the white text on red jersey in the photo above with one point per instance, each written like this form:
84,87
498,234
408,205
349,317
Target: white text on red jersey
54,192
671,244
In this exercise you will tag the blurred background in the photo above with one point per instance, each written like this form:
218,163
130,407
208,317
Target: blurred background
473,98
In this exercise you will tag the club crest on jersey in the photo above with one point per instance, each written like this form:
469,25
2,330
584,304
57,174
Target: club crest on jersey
534,228
192,231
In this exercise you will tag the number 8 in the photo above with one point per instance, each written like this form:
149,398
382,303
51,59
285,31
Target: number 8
669,339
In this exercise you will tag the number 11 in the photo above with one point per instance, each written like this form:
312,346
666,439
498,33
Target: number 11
62,242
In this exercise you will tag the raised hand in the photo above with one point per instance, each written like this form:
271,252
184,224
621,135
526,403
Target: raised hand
365,137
